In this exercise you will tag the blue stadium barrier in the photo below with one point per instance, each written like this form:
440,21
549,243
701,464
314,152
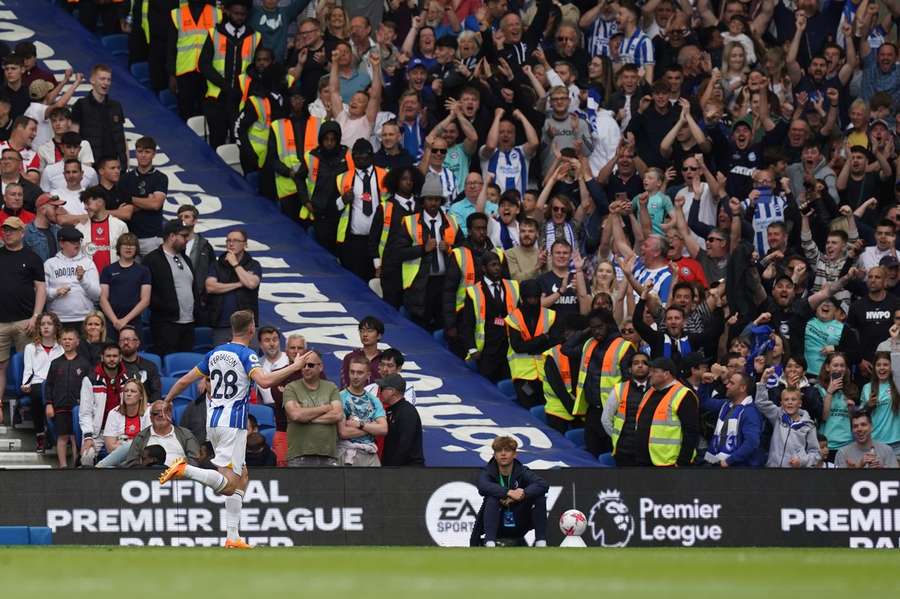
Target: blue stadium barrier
180,363
576,436
14,535
40,535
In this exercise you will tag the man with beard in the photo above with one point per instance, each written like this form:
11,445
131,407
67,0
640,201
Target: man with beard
138,366
619,417
172,297
526,260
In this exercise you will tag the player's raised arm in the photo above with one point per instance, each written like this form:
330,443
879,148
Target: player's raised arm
268,379
183,383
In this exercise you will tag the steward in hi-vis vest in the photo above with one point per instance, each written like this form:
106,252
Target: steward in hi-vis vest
483,324
620,411
668,420
191,23
531,332
599,355
558,379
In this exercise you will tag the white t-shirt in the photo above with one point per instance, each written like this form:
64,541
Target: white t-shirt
53,177
267,366
169,442
353,129
38,111
72,199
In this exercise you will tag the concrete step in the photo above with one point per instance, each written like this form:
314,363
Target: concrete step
8,444
25,459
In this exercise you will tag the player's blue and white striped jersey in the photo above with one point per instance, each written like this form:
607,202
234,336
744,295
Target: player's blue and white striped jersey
228,367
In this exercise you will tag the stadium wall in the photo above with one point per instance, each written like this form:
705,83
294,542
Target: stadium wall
303,290
437,506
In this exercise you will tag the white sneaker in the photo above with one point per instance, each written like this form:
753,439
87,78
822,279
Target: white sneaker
490,544
540,543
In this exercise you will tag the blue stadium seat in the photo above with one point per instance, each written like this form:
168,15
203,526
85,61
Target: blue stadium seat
506,388
439,337
576,436
14,372
539,413
268,434
166,383
179,363
117,44
265,416
141,72
606,460
153,358
168,100
178,409
203,339
252,180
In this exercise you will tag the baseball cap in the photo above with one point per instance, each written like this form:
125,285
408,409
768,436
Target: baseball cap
664,364
415,63
39,88
46,198
14,222
392,381
741,122
69,233
889,261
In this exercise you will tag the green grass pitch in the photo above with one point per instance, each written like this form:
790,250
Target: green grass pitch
401,572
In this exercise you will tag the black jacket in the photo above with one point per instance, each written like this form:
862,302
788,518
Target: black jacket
103,126
403,443
572,348
163,298
62,389
148,373
247,299
656,340
202,254
521,477
227,81
495,340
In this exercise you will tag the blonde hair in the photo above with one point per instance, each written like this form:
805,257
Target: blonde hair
142,405
97,314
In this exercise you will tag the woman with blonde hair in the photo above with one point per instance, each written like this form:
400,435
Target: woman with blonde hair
336,24
38,356
93,335
735,67
124,423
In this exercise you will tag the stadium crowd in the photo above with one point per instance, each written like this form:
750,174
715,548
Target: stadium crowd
672,225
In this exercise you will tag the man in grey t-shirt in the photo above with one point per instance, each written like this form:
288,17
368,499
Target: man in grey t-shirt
864,452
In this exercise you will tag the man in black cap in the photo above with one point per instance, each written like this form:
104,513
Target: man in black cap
173,296
361,191
667,425
531,332
403,442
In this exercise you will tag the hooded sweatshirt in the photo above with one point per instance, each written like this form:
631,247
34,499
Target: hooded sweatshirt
790,438
330,163
59,272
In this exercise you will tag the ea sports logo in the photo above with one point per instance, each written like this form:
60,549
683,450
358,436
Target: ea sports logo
450,514
610,520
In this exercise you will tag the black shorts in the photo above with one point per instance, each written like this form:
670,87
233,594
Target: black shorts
62,421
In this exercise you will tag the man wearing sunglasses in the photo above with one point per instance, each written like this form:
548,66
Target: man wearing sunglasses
173,297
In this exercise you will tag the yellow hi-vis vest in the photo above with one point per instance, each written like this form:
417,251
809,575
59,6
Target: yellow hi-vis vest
219,43
258,133
610,372
387,210
479,303
191,35
665,428
554,405
145,20
621,393
465,260
345,184
286,147
414,227
527,366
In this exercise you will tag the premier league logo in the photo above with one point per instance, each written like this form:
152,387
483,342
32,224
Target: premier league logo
610,520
